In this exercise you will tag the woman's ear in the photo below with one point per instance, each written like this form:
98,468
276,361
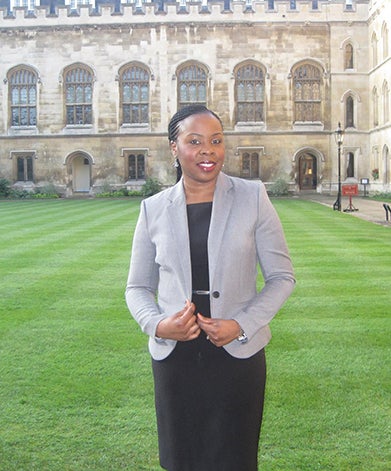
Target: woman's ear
173,147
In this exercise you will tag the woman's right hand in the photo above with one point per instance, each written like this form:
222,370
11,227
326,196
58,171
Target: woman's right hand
180,326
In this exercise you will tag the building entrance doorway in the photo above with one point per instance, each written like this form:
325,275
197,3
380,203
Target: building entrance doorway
308,172
81,172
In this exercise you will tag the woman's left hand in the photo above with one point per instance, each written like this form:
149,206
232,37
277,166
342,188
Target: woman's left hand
219,331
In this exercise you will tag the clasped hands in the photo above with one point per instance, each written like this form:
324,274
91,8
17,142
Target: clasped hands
184,326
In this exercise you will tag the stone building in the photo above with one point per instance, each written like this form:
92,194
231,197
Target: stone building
88,89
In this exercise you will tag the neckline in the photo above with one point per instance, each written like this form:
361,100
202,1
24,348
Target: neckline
206,203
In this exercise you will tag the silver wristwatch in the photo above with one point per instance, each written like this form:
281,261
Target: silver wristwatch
242,336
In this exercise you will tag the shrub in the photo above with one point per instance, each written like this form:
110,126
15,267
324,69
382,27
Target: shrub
151,187
118,193
19,193
44,195
5,187
279,188
134,193
46,191
381,196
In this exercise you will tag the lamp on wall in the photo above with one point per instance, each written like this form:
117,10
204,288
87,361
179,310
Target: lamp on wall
338,134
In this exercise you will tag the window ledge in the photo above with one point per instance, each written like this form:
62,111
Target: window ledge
26,185
134,128
134,184
252,126
77,129
23,130
308,126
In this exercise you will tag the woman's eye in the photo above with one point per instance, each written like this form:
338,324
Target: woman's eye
216,141
194,141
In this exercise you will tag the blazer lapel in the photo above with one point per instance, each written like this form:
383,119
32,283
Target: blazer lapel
177,219
222,204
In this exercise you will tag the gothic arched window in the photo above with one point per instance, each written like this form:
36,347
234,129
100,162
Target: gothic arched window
384,34
350,165
307,83
349,58
349,112
250,93
78,81
192,85
23,97
375,105
134,95
374,49
386,102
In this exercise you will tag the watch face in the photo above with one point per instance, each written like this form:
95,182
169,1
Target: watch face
242,338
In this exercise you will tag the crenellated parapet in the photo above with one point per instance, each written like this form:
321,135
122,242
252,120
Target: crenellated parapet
139,12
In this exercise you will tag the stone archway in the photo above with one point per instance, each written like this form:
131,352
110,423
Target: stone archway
307,171
79,168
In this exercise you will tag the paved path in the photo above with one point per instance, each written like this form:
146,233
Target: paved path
367,209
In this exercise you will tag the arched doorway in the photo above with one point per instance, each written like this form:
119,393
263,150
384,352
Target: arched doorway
81,174
79,170
307,172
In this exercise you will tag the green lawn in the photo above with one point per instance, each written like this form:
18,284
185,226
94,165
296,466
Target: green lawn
75,383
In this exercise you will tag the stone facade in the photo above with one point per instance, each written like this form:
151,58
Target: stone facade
161,37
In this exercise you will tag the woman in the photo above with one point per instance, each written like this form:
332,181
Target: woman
192,289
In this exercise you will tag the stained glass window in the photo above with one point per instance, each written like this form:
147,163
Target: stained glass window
78,95
134,89
250,90
192,85
23,97
307,83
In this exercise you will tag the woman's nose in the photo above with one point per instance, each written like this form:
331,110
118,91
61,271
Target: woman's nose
206,148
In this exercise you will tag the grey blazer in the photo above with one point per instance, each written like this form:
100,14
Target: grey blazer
244,231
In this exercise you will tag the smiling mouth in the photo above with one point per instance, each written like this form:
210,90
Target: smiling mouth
207,165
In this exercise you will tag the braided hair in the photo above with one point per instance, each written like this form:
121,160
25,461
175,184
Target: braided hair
175,123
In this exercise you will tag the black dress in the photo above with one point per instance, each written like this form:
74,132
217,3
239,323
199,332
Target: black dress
208,403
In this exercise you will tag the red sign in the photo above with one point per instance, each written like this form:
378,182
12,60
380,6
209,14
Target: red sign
350,190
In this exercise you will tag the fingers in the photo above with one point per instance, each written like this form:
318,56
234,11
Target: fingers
203,319
218,331
209,326
188,311
206,323
185,323
181,325
186,317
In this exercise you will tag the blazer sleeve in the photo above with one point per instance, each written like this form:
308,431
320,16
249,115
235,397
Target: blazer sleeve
274,260
142,283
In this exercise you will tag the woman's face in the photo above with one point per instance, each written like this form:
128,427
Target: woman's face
200,148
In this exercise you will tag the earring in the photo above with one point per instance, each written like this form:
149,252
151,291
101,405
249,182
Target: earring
176,163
